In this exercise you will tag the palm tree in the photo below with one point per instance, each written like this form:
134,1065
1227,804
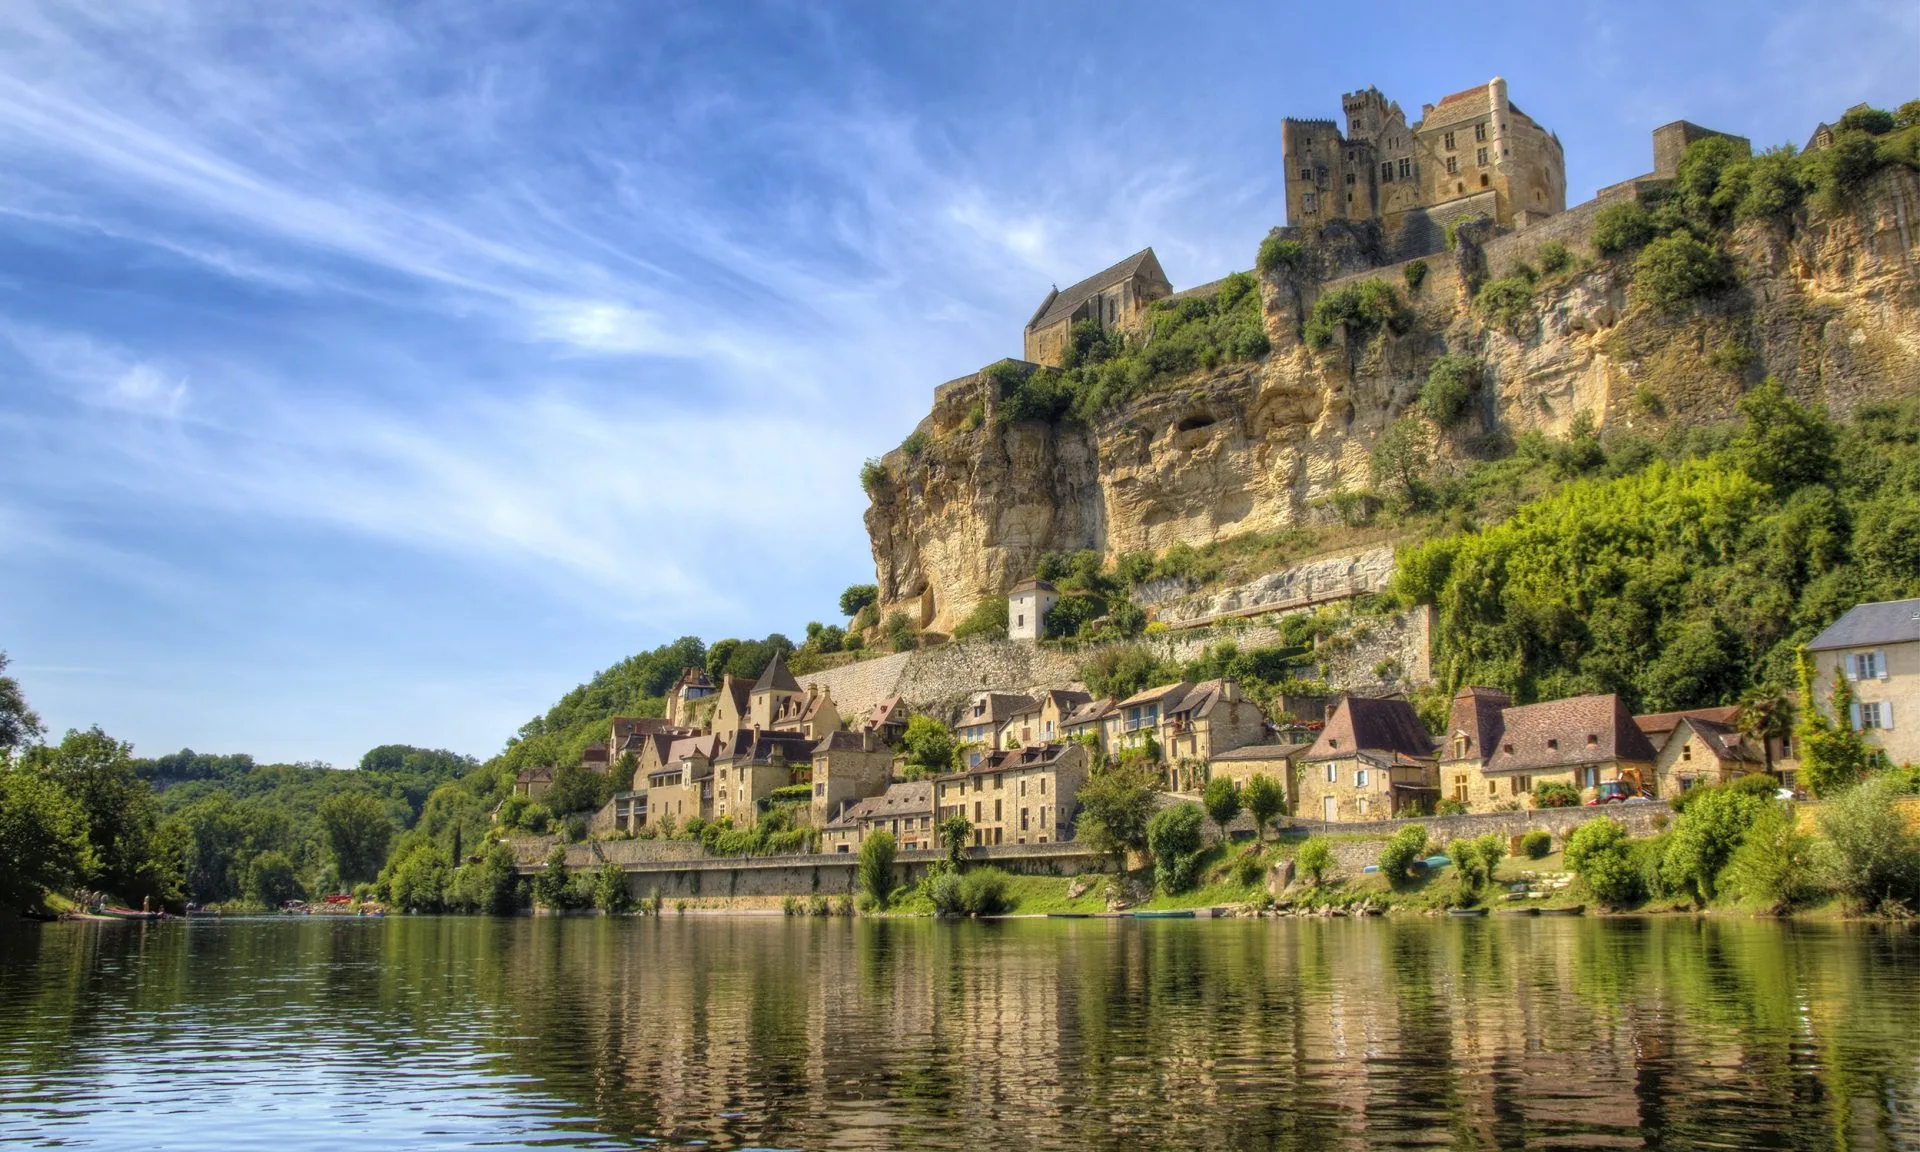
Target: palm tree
1765,715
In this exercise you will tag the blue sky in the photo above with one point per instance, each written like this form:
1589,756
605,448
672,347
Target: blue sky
375,373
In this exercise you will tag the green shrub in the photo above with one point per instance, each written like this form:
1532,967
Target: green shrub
988,618
1554,257
1872,121
1876,860
1507,304
902,636
1620,228
1452,381
1775,863
876,866
1277,253
1314,860
610,891
1249,866
1537,844
553,885
1556,794
792,906
981,892
1705,834
1403,848
1416,275
1601,855
1673,271
976,415
1364,308
915,443
1449,807
1174,838
873,476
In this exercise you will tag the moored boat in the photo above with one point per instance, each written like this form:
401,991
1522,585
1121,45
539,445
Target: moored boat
1571,910
1166,914
1466,911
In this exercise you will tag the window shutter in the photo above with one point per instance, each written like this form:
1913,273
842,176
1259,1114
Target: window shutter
1886,714
1850,663
1854,708
1880,662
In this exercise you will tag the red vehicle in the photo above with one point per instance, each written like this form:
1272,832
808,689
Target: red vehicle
1613,792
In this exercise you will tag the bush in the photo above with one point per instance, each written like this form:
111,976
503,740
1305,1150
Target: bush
1601,855
1619,228
1507,304
901,635
1449,807
1706,832
1222,799
915,443
1277,253
1174,838
1876,860
1452,381
1265,799
1416,275
1775,863
873,475
610,892
1364,308
1556,794
1675,270
1537,844
553,887
1554,257
876,866
1249,866
981,892
1314,860
988,618
1402,850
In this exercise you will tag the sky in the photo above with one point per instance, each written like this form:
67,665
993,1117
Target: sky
374,373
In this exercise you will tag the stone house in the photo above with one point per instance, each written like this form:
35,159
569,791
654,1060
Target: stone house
682,710
681,786
1274,761
1040,720
848,767
1474,724
1099,719
1700,751
1659,727
889,719
980,723
903,810
626,811
732,709
1585,741
1018,796
812,715
1372,761
748,767
1877,648
1191,723
533,783
1115,298
594,758
1028,603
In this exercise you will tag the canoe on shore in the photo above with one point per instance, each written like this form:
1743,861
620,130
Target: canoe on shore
1573,910
1168,914
1069,915
128,914
1466,911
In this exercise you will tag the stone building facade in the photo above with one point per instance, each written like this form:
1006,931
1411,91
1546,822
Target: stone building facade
1115,298
1473,143
1877,648
1018,796
1372,761
848,767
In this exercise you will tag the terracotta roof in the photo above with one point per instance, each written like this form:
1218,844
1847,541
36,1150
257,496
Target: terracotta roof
1091,711
1001,707
1565,733
892,710
1261,752
1385,727
914,798
1885,622
1475,715
1659,725
776,678
1012,759
1031,584
1063,303
1722,740
1169,692
1479,90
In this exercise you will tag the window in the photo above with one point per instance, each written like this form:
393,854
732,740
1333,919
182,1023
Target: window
996,808
1349,179
820,788
1386,170
1306,173
1493,787
1334,743
1360,778
976,820
1686,750
979,782
1333,774
1482,157
998,783
1875,715
1043,786
1023,786
1786,746
1453,165
1460,789
1480,133
1483,180
1020,621
1406,169
1553,743
1449,142
1868,666
1321,174
1307,202
1023,819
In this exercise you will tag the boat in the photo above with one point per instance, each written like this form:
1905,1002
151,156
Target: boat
1570,910
42,917
1166,914
1521,911
1069,915
1466,911
126,913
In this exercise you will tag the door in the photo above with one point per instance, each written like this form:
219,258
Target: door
1329,809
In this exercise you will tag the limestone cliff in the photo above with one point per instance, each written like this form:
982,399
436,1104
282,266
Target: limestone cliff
1829,304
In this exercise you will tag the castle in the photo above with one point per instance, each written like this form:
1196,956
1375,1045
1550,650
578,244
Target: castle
1473,154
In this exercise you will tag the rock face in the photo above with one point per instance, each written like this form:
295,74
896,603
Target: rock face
1831,305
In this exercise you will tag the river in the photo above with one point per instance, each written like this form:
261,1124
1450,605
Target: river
756,1032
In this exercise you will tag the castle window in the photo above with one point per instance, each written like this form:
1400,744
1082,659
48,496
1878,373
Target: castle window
1449,141
1322,174
1406,169
1386,170
1306,173
1479,131
1349,179
1482,157
1483,180
1307,202
1453,165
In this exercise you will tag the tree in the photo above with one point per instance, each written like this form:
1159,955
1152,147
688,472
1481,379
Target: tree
19,724
1782,443
577,789
1674,270
357,832
928,746
1452,381
856,597
955,831
1599,853
419,876
43,839
1315,858
1266,799
1832,755
1705,834
97,771
1115,806
271,880
490,885
1120,670
1876,859
1765,716
1174,838
1222,798
1775,862
553,885
1400,460
876,866
610,892
901,635
1403,848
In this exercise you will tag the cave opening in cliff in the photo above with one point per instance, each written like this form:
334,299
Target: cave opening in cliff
1195,423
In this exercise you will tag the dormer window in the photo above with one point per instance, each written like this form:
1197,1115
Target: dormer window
1554,744
1592,740
1508,748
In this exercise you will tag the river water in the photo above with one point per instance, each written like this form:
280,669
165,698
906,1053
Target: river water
751,1032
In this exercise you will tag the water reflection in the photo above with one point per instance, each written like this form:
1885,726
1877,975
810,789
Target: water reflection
1048,1034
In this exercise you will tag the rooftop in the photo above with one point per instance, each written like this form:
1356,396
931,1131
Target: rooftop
914,798
1565,733
1061,304
1387,727
1883,622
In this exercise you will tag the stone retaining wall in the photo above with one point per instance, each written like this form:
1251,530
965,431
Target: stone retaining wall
1357,845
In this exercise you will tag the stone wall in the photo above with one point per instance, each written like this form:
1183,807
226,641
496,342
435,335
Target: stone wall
1297,587
1357,845
939,680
